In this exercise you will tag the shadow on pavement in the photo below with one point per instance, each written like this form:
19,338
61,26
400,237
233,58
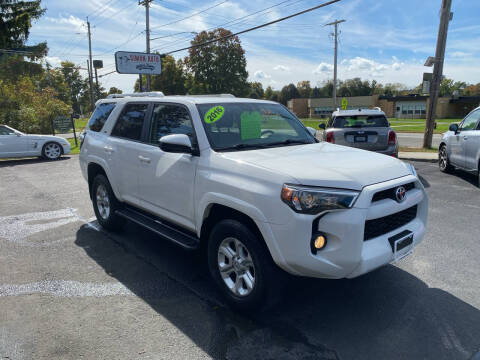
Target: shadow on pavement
28,161
388,314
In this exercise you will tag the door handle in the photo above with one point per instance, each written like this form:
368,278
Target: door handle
465,137
108,149
144,159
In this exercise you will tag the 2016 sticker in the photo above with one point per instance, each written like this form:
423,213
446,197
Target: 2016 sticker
214,114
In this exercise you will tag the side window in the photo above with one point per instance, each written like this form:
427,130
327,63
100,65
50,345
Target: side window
130,122
6,131
170,119
470,122
99,116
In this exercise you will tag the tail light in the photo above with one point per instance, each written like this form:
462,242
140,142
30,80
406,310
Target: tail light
331,137
392,138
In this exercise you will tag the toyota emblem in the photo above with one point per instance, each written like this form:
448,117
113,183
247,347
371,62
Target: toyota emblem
400,193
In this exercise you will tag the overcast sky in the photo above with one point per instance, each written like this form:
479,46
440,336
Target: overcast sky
386,40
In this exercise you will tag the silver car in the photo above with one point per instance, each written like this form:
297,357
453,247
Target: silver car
366,129
460,146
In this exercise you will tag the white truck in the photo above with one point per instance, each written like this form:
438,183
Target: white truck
246,180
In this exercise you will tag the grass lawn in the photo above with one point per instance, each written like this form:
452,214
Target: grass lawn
74,149
410,149
400,125
80,124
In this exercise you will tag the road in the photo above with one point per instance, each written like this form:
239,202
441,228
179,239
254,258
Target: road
416,140
70,290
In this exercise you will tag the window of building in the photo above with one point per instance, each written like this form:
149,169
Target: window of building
100,116
130,123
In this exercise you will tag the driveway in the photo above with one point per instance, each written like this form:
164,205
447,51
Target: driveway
70,290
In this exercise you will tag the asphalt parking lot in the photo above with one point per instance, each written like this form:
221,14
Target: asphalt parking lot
69,290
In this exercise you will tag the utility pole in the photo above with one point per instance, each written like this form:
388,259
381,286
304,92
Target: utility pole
90,65
437,62
97,90
335,24
146,3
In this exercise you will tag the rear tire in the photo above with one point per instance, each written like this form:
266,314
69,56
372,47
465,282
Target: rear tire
105,204
443,162
242,267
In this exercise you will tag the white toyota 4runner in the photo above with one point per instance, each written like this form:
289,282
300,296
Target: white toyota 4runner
245,179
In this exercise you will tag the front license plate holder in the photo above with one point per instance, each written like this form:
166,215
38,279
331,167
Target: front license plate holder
402,245
360,138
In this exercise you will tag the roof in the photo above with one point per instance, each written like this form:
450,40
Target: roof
356,112
466,99
410,97
192,99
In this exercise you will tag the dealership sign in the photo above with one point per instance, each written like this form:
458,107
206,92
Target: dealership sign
137,63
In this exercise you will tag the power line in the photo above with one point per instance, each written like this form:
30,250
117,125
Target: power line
254,28
102,9
190,16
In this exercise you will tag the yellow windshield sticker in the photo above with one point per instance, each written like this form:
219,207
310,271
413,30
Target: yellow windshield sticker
251,125
214,114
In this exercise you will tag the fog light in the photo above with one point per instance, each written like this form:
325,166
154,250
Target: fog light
319,242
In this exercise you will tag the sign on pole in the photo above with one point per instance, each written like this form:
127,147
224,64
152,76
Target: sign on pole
62,123
344,104
137,63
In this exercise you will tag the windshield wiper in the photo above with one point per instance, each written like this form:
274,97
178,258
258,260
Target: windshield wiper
289,142
242,147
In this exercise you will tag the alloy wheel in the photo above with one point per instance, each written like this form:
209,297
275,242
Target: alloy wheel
52,151
103,202
442,158
236,266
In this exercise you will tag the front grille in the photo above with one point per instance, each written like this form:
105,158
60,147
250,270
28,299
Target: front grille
383,225
390,193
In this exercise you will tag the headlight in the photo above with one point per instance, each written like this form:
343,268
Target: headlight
412,169
316,200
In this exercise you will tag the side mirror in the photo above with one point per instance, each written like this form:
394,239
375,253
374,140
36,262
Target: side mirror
76,116
18,134
311,131
453,127
321,126
176,143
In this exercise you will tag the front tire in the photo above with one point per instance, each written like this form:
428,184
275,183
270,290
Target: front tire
241,266
443,162
52,151
105,204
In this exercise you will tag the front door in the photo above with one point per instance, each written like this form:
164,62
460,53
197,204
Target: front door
472,144
11,143
465,133
166,180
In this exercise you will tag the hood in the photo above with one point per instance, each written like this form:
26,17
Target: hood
325,164
47,137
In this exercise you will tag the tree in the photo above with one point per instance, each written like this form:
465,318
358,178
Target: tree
77,85
256,90
114,90
16,19
219,67
172,79
472,90
268,93
448,86
287,93
304,88
316,93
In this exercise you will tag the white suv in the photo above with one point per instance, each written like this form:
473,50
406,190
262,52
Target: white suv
248,181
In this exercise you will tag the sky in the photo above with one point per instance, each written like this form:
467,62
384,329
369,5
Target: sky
385,40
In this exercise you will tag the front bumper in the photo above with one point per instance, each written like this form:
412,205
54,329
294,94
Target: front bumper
346,254
66,148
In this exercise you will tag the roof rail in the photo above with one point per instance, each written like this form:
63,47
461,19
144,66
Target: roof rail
211,95
139,94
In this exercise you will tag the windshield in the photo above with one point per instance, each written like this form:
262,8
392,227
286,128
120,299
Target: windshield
250,125
360,121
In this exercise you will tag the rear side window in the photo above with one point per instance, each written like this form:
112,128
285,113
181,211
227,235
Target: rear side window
130,123
99,116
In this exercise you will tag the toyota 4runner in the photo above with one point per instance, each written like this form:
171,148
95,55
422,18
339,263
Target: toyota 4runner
245,180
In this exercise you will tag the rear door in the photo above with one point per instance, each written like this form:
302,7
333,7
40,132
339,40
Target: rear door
123,146
166,180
